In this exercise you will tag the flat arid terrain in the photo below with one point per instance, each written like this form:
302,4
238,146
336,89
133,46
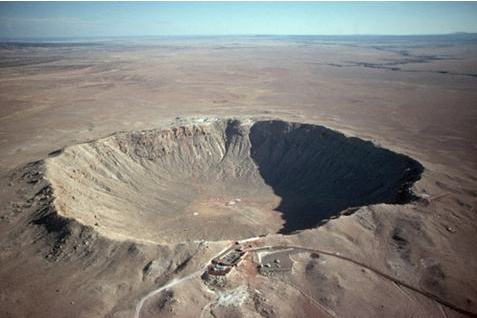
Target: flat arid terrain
260,176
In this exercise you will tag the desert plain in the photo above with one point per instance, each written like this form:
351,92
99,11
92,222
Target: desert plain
344,168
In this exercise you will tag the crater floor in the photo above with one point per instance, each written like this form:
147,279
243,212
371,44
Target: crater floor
223,179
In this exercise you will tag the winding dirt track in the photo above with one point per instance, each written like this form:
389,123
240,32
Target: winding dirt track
174,282
382,274
157,291
439,300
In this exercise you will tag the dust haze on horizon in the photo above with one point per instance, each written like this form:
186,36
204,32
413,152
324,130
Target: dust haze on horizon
113,19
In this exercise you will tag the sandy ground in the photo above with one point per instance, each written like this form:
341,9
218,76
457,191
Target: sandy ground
415,97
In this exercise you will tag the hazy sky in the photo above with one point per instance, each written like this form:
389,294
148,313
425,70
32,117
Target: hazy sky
70,19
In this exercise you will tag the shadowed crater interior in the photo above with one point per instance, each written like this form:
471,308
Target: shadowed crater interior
223,179
318,172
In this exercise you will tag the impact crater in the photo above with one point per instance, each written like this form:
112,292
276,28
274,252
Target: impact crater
223,179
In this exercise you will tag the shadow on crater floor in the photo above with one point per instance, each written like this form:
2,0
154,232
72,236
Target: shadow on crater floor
318,172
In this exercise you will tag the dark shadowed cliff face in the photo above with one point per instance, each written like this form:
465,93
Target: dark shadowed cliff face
318,172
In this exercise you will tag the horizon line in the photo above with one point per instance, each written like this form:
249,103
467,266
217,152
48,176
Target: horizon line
234,35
